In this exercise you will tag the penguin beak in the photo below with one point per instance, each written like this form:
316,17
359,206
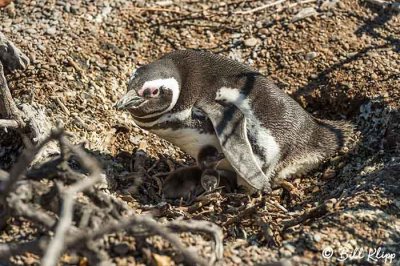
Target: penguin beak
129,100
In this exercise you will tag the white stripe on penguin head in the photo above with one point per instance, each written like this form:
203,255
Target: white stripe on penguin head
169,84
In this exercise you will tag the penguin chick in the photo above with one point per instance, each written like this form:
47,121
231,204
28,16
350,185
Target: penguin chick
183,183
210,179
208,159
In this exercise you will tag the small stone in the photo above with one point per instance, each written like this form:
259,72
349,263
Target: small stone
135,139
236,260
264,31
285,253
67,7
374,76
290,247
51,31
251,42
113,69
291,26
121,249
341,5
305,13
311,55
317,237
74,9
11,10
259,24
329,4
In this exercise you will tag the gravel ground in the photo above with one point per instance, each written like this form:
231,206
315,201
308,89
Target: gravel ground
340,62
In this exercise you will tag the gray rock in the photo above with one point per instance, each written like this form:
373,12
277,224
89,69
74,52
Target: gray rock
305,13
51,30
317,237
329,4
311,55
250,42
121,248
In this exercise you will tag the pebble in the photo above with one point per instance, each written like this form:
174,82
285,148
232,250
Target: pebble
311,55
236,259
112,69
305,13
250,42
317,237
329,4
285,253
51,30
291,26
290,247
121,248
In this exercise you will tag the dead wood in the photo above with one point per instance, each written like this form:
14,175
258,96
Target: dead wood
107,214
385,5
312,213
10,55
245,213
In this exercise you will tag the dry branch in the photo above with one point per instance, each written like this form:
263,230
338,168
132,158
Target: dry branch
9,123
8,109
245,213
68,236
385,5
57,243
259,8
312,213
11,57
204,227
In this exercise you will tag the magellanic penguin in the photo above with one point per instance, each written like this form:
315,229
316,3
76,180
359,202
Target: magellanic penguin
194,99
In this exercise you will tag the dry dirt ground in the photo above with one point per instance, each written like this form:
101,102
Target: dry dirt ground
343,62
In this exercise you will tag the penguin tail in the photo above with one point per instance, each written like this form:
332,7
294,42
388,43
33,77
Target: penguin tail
337,135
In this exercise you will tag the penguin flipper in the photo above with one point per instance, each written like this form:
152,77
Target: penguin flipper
230,127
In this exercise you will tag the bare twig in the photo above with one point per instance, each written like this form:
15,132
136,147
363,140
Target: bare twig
259,8
247,212
11,57
385,5
277,205
8,109
56,245
162,230
36,246
9,123
68,236
155,9
205,227
312,213
33,214
21,166
190,257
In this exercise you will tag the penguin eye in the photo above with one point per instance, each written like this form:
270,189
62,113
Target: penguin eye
155,92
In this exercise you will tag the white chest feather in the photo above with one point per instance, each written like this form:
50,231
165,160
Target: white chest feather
188,139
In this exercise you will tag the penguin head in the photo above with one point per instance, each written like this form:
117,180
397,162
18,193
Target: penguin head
152,90
208,157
